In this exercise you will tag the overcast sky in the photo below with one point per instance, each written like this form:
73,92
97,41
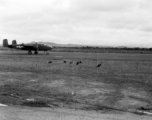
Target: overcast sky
91,22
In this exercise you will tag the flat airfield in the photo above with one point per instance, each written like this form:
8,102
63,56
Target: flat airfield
121,85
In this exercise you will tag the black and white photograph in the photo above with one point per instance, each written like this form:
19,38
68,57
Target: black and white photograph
75,59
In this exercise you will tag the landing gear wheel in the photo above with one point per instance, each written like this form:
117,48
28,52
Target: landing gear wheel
36,52
47,53
30,52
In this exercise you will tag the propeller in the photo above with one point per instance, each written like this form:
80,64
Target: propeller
37,46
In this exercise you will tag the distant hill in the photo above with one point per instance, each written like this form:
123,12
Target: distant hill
59,45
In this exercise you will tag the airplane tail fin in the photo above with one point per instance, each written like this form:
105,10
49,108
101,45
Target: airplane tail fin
14,42
5,43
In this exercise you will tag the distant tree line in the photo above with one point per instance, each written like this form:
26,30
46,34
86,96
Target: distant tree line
109,48
118,48
95,49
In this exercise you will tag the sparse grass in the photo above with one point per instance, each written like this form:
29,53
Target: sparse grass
82,86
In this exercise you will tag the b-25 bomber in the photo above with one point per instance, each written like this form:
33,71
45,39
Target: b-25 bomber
29,47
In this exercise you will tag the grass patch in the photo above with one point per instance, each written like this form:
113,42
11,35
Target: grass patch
62,84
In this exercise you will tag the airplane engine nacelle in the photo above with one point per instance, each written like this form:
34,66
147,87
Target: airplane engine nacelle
5,43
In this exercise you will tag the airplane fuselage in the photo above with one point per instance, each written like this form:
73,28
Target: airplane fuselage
33,47
29,47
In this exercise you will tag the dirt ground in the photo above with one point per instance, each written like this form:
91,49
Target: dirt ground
122,83
26,113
